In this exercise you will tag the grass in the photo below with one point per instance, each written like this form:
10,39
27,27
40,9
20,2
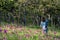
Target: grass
27,33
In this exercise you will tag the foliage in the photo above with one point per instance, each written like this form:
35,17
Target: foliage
17,10
10,32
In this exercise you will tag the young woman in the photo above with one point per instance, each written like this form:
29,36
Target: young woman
44,25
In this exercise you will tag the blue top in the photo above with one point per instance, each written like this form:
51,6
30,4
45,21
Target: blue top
44,23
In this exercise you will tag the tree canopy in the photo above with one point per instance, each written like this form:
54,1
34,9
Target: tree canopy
16,10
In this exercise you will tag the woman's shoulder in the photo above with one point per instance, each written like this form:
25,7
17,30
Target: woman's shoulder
43,22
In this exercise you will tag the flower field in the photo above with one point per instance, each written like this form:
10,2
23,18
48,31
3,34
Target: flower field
25,33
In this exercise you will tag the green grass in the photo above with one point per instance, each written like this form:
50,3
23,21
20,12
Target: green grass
28,33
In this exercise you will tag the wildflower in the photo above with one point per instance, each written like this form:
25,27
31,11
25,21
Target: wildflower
30,31
11,27
55,38
13,30
0,30
8,25
21,29
5,31
27,35
35,32
21,26
20,37
4,38
55,32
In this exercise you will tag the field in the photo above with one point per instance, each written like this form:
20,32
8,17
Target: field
9,32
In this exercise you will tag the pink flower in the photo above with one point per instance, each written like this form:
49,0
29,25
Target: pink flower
5,31
30,31
55,32
35,32
55,38
4,38
8,25
27,35
21,29
0,30
20,26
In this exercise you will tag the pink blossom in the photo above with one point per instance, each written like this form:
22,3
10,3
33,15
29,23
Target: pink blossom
35,32
21,29
30,31
0,30
4,38
55,32
5,31
27,35
8,25
55,38
20,26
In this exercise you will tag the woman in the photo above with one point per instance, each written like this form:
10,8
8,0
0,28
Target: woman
44,25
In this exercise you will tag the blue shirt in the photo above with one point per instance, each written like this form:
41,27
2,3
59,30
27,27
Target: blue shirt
43,24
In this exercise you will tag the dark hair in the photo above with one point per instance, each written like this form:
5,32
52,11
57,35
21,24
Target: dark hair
43,19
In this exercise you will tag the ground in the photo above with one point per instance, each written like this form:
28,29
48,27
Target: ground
9,32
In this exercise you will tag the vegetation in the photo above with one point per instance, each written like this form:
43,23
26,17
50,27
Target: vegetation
16,11
29,13
10,32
